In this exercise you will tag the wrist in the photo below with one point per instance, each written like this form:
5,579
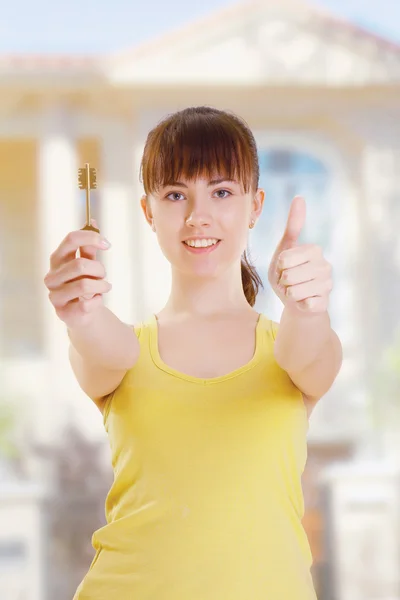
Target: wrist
293,310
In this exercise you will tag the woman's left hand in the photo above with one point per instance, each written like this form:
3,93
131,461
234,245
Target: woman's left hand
299,274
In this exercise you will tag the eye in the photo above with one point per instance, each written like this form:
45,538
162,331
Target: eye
179,194
222,197
175,194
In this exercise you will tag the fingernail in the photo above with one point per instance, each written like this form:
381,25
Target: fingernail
105,243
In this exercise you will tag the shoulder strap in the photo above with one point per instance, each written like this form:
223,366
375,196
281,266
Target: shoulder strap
274,329
138,329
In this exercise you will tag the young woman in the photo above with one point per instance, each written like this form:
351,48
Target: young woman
205,403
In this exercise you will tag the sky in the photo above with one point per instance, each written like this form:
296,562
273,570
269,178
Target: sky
102,26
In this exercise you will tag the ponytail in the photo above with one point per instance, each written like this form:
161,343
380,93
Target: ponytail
251,280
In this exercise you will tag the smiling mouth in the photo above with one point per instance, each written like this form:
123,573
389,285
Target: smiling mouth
203,243
201,249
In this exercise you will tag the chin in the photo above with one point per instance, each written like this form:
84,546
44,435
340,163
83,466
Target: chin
206,266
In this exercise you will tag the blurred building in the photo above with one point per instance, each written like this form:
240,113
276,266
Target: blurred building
323,100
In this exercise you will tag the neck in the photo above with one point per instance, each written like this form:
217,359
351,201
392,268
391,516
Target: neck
202,297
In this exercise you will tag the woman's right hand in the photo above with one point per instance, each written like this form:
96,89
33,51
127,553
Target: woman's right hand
76,284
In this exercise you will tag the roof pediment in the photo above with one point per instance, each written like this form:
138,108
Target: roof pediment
259,42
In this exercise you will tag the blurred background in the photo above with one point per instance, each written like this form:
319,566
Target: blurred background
319,85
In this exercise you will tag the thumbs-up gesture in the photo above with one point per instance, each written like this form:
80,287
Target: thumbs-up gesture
299,274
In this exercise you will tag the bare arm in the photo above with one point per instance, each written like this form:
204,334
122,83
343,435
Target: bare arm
101,353
106,341
97,382
103,348
309,351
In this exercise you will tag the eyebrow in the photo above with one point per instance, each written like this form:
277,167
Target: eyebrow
210,183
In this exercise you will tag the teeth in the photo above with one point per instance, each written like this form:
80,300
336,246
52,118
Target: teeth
201,243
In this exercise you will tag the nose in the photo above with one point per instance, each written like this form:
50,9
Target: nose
198,219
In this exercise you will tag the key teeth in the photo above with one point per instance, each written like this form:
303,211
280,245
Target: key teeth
93,178
81,176
83,182
87,180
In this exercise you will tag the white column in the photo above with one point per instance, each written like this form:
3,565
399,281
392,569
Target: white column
135,265
156,271
379,291
58,213
117,221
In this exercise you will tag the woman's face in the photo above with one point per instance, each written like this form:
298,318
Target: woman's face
201,209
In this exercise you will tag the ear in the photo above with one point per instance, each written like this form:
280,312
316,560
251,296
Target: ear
145,204
257,204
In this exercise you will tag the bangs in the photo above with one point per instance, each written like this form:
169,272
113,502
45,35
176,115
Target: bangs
196,147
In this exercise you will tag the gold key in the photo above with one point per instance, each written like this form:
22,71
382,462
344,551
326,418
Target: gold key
87,180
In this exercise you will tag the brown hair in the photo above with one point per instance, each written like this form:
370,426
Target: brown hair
201,142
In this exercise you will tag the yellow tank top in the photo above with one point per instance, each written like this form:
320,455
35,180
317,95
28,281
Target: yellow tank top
207,501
